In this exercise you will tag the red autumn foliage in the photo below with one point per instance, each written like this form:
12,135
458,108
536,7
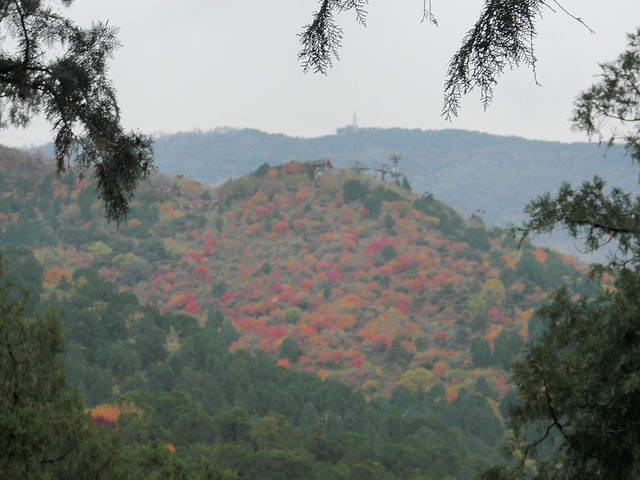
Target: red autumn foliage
276,332
440,335
381,339
281,227
356,362
377,246
227,297
418,285
335,275
192,307
200,271
403,262
496,317
291,168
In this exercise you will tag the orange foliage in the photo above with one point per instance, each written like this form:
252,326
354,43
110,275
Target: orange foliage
408,346
452,395
540,256
303,193
352,302
524,333
284,362
345,322
53,275
207,234
439,368
511,261
105,413
325,356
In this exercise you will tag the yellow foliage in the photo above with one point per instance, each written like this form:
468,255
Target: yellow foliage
175,247
99,248
172,343
122,259
417,380
404,208
259,198
328,185
352,302
494,292
176,299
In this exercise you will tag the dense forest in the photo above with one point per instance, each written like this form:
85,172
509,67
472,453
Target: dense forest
298,322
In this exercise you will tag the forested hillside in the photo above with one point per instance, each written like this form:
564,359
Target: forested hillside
469,171
292,323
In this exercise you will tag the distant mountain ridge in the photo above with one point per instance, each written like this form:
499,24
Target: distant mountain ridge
474,172
471,171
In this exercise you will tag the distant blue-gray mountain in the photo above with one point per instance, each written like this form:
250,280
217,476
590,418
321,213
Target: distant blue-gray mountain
473,172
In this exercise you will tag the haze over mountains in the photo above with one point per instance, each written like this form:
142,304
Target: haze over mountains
470,171
491,176
212,307
474,172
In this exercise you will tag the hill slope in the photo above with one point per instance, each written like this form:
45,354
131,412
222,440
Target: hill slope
326,277
341,275
468,170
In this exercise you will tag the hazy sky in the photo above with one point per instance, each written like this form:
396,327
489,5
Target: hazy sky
202,64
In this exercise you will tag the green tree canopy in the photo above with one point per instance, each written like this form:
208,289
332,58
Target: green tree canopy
44,430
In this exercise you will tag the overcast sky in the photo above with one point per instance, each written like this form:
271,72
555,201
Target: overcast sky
202,64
